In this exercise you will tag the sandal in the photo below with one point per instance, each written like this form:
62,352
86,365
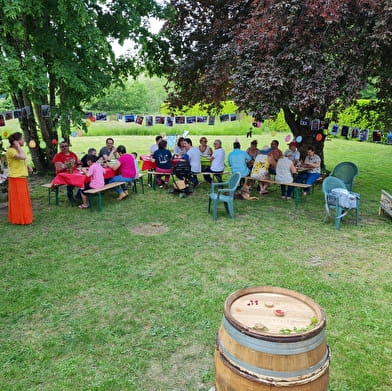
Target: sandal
83,206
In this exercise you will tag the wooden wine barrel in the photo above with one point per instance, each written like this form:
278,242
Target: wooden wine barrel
271,338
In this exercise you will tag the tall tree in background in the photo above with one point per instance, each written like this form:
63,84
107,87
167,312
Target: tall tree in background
267,55
58,54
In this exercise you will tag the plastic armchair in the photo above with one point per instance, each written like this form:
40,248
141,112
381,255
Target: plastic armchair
346,171
224,192
332,201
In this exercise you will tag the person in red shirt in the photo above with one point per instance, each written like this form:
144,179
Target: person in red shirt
62,161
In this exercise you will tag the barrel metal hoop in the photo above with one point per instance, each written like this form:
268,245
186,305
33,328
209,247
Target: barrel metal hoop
273,374
282,348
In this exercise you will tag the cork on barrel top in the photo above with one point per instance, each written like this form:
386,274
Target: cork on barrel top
273,313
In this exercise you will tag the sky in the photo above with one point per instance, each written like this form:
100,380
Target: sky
155,26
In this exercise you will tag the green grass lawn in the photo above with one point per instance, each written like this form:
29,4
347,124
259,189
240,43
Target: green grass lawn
88,304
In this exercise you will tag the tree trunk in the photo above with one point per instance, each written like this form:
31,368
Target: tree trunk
28,125
303,129
48,134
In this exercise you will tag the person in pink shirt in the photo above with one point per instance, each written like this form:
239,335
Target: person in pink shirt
126,171
96,172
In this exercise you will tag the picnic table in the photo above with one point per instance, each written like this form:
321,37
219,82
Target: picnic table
77,178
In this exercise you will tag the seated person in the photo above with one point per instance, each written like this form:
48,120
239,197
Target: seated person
312,168
96,172
276,153
260,169
204,149
126,171
154,147
252,151
238,160
107,152
162,157
61,162
91,151
217,162
294,156
284,174
134,154
179,149
193,157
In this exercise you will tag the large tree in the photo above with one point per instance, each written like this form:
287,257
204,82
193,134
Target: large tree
267,55
58,54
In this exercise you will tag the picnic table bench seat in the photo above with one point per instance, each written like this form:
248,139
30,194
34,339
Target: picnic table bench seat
152,173
92,193
297,187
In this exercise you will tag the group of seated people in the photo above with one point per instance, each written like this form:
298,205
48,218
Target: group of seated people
261,164
201,159
195,156
93,166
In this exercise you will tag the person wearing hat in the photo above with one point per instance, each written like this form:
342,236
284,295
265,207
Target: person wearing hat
294,155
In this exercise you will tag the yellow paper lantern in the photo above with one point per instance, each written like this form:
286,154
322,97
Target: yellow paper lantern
32,144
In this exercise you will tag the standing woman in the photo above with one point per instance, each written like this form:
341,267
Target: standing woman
19,203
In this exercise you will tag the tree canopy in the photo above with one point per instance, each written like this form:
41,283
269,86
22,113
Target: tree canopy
58,53
267,55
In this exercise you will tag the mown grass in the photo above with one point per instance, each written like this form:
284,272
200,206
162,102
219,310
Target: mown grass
86,304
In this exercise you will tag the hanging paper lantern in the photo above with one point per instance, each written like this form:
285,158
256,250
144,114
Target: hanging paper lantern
325,132
80,132
298,139
32,144
42,144
319,137
5,134
88,123
273,133
74,134
54,141
287,138
92,118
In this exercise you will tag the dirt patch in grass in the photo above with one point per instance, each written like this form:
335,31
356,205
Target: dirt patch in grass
196,368
150,229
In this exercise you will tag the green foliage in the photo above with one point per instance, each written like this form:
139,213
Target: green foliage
141,96
353,116
226,107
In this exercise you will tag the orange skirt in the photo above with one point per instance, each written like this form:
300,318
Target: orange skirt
20,210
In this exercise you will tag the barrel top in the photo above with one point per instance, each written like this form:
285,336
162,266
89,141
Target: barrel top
269,310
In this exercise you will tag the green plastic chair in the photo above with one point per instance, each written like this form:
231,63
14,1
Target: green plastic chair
346,171
224,192
332,202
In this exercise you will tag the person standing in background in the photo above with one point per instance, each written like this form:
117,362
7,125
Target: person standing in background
20,210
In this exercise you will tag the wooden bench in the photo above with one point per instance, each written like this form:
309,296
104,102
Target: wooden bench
385,203
152,183
297,187
91,193
52,189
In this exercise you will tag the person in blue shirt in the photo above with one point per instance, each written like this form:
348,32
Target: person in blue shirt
162,157
238,160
